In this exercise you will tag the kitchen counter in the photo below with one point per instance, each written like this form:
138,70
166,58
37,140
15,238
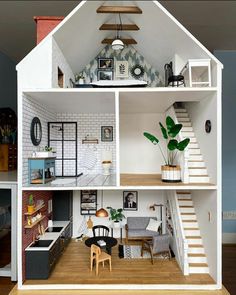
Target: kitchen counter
50,236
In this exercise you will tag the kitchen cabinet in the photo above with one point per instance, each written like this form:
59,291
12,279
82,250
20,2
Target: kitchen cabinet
8,157
62,205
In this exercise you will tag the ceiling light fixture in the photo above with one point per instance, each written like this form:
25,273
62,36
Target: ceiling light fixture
101,212
118,44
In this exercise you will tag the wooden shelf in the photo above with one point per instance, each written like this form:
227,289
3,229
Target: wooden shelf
40,180
115,27
125,41
119,9
35,210
36,222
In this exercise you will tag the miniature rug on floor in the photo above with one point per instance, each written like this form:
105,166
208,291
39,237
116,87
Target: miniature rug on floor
134,252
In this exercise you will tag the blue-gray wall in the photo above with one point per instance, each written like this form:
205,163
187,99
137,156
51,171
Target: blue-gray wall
8,92
228,58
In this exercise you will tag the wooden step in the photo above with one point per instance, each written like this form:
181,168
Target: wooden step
188,134
182,120
196,246
198,268
119,9
186,124
195,249
196,255
189,220
195,158
180,110
199,179
193,237
183,193
182,115
196,258
197,171
129,41
187,225
116,27
196,164
194,151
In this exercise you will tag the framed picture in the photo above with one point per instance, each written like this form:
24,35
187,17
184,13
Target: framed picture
88,202
130,200
122,69
105,63
105,75
106,133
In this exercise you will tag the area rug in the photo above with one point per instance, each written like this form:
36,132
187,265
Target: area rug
134,252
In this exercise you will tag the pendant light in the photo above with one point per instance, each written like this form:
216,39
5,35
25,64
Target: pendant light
118,44
101,212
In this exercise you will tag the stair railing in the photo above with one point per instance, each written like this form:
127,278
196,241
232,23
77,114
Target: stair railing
182,157
178,230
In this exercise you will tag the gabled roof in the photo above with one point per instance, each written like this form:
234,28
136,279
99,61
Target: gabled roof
160,36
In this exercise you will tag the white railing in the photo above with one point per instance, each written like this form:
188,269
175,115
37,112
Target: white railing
182,157
178,232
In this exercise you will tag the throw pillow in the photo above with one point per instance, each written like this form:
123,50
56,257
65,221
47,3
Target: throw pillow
153,225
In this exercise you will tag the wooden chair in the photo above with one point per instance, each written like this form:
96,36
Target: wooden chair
99,256
158,244
100,231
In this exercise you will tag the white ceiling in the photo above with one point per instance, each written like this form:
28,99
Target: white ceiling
212,22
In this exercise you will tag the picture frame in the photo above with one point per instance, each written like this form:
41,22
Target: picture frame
130,200
105,75
88,202
122,69
105,63
107,133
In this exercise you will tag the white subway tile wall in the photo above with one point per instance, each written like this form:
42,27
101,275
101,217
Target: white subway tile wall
31,109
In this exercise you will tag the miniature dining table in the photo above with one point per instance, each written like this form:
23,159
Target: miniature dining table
110,242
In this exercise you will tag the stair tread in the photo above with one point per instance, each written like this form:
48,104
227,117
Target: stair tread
185,206
188,200
191,228
192,175
189,220
185,213
193,237
196,255
195,246
196,167
197,264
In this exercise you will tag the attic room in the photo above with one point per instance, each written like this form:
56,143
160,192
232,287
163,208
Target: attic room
85,138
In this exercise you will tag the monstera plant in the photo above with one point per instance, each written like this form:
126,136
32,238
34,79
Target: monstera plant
170,171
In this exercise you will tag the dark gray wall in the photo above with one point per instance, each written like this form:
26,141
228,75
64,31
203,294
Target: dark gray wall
228,58
8,93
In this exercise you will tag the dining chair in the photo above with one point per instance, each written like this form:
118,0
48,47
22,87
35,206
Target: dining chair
100,231
99,256
158,245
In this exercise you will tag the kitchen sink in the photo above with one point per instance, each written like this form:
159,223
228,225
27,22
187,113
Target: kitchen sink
54,229
42,243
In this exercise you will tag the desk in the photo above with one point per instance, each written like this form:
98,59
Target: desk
110,242
41,164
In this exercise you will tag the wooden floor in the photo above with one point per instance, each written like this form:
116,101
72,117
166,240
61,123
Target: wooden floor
73,268
152,180
229,267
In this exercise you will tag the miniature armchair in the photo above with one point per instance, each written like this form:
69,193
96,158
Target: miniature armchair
158,245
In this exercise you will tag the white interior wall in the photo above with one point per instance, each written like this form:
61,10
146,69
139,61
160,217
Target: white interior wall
205,204
31,109
115,200
137,154
199,112
58,60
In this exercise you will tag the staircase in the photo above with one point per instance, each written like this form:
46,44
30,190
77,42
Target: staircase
197,260
196,165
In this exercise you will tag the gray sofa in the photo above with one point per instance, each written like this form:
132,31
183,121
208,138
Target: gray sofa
136,228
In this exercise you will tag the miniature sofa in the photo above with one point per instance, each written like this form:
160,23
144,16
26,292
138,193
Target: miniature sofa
136,228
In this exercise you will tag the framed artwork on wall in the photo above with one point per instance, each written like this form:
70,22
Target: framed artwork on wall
88,202
105,75
105,63
107,133
122,69
130,200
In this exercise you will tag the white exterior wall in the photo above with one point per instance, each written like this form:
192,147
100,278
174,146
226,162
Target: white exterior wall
137,154
31,109
115,199
58,60
205,204
199,112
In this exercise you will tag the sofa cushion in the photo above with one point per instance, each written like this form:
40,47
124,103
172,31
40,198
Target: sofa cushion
153,225
138,222
142,233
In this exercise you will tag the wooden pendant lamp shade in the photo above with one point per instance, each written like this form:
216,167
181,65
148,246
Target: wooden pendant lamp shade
101,212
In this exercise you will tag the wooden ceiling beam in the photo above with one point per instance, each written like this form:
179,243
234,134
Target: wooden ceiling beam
115,27
119,9
129,41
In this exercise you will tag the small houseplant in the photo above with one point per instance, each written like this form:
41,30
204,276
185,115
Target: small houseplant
170,171
79,78
116,215
31,205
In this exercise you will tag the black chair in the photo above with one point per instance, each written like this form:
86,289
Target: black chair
100,231
171,79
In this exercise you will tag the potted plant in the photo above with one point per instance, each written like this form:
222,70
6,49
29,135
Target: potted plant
116,215
79,78
31,205
170,171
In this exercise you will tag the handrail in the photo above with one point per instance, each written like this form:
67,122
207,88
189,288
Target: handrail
181,242
184,156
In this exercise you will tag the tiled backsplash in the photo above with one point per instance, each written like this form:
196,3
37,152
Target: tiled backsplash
130,54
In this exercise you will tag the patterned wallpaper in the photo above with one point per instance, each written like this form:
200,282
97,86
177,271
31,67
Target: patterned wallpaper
129,54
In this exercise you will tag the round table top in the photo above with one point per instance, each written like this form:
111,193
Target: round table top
110,241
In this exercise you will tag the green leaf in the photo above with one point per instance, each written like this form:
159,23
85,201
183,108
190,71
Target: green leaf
172,145
169,123
183,144
175,130
163,130
151,137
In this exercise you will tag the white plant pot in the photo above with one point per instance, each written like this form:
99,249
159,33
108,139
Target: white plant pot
171,173
116,224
